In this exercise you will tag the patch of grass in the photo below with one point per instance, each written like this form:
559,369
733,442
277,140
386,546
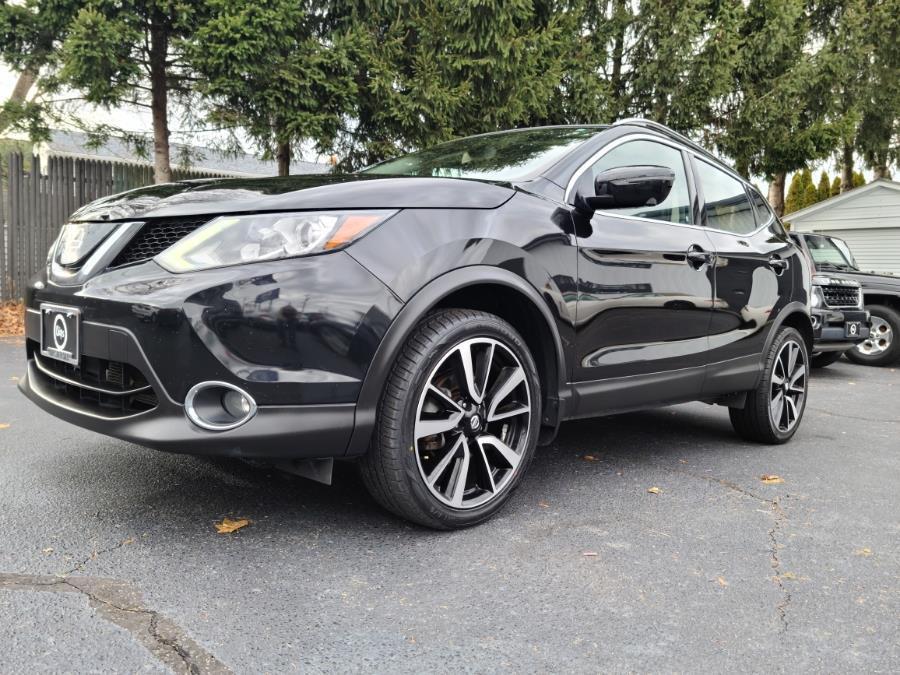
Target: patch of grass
12,319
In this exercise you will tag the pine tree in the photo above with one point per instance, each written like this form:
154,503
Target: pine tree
823,190
794,193
836,186
773,121
281,72
858,179
810,194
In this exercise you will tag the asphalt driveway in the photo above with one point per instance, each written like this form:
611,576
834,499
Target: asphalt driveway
109,559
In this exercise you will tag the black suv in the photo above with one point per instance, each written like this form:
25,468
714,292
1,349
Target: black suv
880,297
839,321
433,317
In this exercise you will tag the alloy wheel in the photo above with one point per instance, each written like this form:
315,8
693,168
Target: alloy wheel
880,338
788,389
472,423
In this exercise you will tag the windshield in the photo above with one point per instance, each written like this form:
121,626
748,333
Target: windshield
826,253
510,155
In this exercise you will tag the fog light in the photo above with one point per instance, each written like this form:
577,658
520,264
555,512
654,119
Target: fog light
235,403
218,406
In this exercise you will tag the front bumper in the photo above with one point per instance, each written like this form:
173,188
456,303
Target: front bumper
276,431
297,335
829,329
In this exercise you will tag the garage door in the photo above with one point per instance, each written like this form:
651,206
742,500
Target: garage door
876,250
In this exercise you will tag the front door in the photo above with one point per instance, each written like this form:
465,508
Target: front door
645,292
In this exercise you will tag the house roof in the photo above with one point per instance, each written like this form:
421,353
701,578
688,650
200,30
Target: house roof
75,144
831,202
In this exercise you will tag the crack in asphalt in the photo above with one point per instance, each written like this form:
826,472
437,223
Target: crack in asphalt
774,561
120,603
96,554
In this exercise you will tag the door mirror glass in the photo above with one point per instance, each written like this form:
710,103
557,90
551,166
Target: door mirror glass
630,187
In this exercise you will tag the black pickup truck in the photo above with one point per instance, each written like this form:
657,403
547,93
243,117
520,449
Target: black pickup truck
880,297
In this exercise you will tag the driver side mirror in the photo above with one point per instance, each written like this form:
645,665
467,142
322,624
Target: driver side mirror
627,187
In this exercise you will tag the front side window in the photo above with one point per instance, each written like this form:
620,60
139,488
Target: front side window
676,208
727,205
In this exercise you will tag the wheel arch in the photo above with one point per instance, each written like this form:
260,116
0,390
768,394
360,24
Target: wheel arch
795,315
485,288
886,299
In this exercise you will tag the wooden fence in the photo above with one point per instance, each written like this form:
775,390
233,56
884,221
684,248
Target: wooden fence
35,202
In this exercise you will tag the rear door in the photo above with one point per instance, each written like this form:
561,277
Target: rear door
644,305
753,277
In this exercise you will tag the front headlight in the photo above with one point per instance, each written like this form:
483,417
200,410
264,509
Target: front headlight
77,241
234,240
818,297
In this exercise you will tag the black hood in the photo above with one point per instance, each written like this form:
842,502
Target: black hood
295,193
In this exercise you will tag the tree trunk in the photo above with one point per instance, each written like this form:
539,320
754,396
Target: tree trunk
159,101
283,155
847,167
881,167
20,91
618,52
776,193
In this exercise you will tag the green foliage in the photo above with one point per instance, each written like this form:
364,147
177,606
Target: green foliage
858,179
835,186
278,70
823,189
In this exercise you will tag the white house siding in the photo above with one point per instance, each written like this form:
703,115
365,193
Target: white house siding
867,218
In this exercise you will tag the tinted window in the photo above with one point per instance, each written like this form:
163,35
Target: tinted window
676,208
727,205
509,155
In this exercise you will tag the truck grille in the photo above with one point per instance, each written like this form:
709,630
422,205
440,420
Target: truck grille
155,237
841,296
110,388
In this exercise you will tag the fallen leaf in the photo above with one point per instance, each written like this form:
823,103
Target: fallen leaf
128,542
721,581
790,576
543,504
590,458
47,551
654,490
4,426
864,552
683,461
228,525
590,554
771,478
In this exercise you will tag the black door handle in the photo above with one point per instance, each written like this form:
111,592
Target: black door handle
778,264
697,257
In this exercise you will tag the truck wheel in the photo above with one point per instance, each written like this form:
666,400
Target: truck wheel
824,359
458,421
883,346
773,410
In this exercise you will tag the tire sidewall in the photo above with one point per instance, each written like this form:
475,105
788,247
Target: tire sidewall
792,335
480,326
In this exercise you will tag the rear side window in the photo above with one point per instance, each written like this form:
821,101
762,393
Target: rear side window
676,208
727,205
763,213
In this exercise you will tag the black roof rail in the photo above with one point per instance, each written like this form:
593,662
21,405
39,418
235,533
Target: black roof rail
674,135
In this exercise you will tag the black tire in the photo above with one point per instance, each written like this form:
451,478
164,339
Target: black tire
884,356
824,359
393,469
754,421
